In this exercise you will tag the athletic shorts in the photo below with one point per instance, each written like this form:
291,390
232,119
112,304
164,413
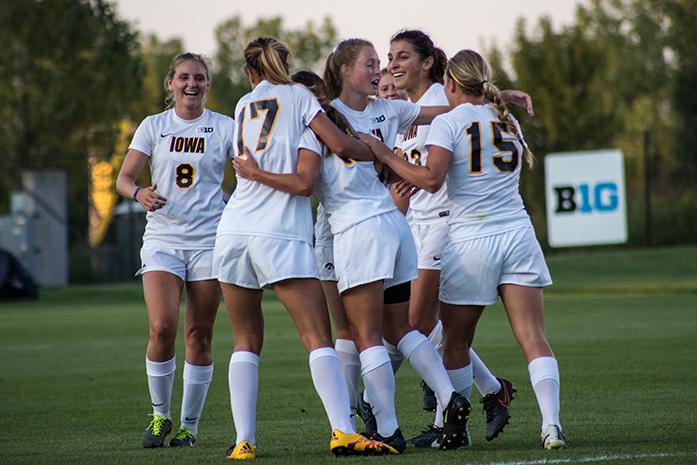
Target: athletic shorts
324,255
378,248
187,265
430,239
474,268
256,262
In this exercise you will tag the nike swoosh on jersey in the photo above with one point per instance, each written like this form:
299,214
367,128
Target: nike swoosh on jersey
165,135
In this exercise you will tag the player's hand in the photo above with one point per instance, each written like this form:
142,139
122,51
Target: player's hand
149,199
518,98
404,189
245,165
380,150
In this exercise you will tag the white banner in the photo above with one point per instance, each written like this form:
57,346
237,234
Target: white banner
586,202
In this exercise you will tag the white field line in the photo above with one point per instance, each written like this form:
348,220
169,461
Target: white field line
592,458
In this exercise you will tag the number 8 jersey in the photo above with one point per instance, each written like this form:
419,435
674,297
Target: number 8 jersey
271,121
187,162
484,172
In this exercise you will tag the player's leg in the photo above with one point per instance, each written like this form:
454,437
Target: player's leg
161,290
525,309
202,300
244,312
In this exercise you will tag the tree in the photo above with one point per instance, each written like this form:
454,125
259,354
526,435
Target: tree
72,69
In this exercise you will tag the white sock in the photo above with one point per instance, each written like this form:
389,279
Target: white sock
396,357
243,379
197,378
380,386
425,360
351,366
160,382
438,421
462,380
331,387
544,377
436,337
485,381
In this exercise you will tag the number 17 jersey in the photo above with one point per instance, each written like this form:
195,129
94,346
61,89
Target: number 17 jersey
271,122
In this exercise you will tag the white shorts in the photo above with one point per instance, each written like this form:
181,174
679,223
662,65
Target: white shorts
379,248
256,262
187,265
324,255
474,268
430,239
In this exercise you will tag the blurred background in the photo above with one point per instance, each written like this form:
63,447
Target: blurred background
81,75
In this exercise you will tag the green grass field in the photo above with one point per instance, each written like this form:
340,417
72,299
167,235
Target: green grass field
623,325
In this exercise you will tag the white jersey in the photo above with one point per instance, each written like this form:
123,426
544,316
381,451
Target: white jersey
350,191
271,121
187,162
485,171
424,206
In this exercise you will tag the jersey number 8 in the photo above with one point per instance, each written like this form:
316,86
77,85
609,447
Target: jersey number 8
185,175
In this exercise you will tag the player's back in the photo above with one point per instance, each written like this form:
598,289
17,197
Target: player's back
484,175
271,122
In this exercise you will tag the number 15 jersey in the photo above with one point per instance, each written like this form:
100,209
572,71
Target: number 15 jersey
187,162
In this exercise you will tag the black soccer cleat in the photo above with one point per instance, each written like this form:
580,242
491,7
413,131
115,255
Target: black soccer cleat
497,406
455,417
428,438
428,401
365,411
396,441
157,431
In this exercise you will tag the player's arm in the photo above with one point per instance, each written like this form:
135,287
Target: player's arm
429,177
339,142
514,97
302,182
126,185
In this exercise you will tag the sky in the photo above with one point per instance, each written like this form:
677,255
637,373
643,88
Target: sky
453,25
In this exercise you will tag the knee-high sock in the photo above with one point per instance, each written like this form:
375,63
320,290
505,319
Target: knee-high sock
243,379
544,377
331,387
160,382
485,381
396,357
351,366
462,380
197,378
436,337
380,386
427,363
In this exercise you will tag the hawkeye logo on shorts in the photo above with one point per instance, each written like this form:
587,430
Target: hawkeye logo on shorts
188,144
329,266
205,129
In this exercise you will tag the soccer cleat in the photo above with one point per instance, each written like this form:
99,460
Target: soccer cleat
428,401
396,441
455,417
429,437
365,411
156,432
355,444
183,438
245,450
497,407
553,438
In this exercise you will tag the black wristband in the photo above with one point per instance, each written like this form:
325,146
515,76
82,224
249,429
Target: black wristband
135,193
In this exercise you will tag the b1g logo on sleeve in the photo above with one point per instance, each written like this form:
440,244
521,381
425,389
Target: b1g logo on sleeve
585,198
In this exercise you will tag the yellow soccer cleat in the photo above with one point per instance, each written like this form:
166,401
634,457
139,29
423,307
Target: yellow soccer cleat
242,451
355,444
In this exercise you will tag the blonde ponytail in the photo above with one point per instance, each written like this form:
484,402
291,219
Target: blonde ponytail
472,73
269,59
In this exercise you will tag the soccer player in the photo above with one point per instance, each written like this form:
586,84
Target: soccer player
186,147
491,249
374,253
417,66
387,89
264,241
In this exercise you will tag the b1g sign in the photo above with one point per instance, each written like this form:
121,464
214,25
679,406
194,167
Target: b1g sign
585,198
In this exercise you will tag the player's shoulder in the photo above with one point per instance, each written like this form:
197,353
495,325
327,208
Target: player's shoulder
434,96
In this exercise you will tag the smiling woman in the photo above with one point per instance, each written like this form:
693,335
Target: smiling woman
187,146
